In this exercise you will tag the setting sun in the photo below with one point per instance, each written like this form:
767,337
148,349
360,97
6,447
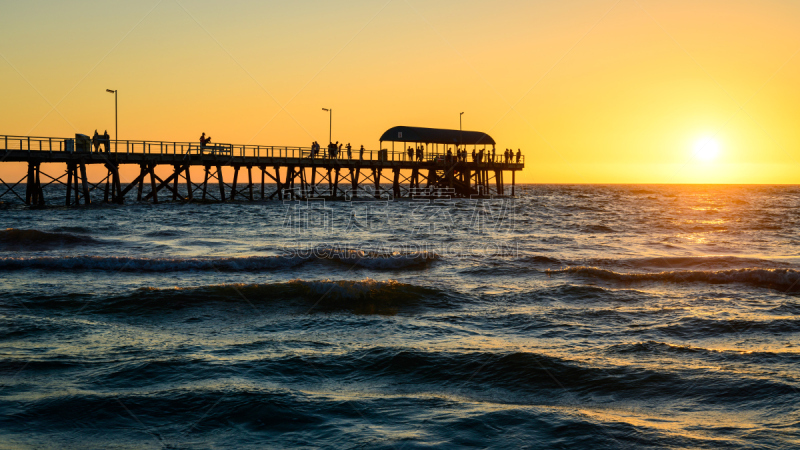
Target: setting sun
706,149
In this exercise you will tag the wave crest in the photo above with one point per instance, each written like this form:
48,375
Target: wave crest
16,239
780,279
129,264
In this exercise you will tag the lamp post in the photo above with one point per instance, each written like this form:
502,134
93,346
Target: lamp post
330,123
460,132
116,117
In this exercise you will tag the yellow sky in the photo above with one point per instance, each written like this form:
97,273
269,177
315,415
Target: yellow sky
592,90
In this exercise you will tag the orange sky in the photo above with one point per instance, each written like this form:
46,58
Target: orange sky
593,91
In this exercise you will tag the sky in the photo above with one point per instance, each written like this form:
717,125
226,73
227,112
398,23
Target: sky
592,91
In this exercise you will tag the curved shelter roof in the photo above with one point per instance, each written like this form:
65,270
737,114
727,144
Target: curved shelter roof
436,136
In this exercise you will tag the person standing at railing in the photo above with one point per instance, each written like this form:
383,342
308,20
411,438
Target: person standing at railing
96,141
349,151
106,141
519,155
204,140
361,153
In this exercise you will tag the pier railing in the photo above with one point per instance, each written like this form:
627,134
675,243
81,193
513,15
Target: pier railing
50,144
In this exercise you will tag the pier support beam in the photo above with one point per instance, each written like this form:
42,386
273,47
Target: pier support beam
33,190
113,184
263,176
187,175
250,180
235,181
376,176
354,174
69,182
513,175
396,183
87,199
221,184
336,182
205,181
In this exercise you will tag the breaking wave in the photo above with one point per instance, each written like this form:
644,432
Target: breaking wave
222,264
16,239
379,260
780,279
365,296
129,264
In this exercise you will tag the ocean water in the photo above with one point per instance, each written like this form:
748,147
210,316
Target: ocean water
570,317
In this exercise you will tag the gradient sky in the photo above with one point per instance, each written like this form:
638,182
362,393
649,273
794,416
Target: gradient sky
592,91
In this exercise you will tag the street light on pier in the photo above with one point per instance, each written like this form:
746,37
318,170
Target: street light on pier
116,117
330,122
460,132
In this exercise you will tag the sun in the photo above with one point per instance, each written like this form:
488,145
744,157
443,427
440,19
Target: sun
706,149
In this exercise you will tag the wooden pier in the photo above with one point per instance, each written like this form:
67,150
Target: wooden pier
296,172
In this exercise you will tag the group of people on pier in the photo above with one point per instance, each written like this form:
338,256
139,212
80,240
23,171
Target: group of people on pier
336,150
418,152
104,139
340,151
491,156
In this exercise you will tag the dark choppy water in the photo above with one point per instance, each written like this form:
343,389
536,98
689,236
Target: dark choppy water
572,317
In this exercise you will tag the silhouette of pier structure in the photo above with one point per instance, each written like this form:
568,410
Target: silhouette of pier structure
296,172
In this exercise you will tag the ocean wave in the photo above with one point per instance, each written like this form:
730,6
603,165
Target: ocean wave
131,264
365,296
379,260
781,279
696,326
15,240
687,262
657,349
596,228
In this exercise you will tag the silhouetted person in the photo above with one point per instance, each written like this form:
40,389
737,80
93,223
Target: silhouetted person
349,151
106,141
204,140
449,155
96,141
519,155
419,153
361,153
410,153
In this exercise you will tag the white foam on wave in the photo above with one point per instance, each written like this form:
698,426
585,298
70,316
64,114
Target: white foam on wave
384,261
130,264
783,279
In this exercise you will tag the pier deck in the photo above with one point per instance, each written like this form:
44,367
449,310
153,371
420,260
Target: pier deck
294,170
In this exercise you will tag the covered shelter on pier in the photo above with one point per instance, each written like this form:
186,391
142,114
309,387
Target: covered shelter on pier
436,136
